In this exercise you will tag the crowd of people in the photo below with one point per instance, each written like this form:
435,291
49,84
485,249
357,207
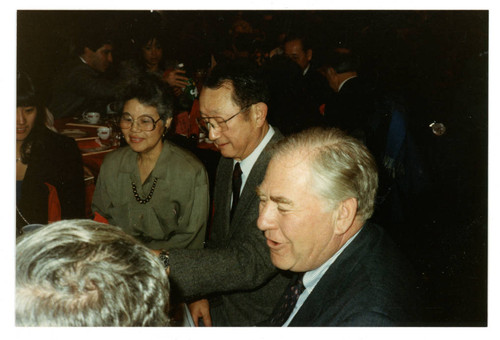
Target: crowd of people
319,197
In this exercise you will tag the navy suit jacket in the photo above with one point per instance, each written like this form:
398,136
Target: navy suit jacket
370,284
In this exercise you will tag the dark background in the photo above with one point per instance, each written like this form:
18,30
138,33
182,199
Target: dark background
437,60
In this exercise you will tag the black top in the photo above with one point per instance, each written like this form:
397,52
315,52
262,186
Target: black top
55,159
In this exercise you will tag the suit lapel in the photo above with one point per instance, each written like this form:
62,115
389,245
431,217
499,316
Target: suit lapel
254,179
331,284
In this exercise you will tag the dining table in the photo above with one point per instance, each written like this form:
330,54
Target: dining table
93,148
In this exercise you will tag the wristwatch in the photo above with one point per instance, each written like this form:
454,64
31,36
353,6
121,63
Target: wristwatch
165,259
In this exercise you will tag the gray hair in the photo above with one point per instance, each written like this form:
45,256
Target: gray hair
341,166
85,273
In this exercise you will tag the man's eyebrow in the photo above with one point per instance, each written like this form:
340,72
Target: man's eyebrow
281,199
277,199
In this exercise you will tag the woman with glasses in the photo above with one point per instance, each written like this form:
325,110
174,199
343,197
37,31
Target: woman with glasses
151,188
49,169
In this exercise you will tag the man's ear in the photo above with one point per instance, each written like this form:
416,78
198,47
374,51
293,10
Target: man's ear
309,54
346,214
168,122
259,112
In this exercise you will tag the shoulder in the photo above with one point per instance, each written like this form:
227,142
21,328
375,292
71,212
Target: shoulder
58,143
182,158
116,158
119,154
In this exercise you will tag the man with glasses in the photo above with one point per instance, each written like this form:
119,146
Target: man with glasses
233,274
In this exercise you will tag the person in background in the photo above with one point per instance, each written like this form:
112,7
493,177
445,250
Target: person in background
232,281
315,202
151,188
49,168
297,47
82,84
79,273
289,109
353,108
149,57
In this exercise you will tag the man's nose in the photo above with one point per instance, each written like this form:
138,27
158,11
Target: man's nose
213,134
265,221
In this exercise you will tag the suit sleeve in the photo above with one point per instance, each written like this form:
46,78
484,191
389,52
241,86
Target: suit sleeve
244,264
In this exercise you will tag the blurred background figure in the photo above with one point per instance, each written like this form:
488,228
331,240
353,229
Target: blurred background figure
289,109
148,56
298,47
151,188
82,83
84,273
49,168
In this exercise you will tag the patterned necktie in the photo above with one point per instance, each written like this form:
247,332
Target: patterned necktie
287,303
236,187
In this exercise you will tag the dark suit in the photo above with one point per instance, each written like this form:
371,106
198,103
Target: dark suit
316,88
79,88
55,159
369,284
235,271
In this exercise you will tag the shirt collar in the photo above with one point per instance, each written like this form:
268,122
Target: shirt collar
342,84
306,69
247,164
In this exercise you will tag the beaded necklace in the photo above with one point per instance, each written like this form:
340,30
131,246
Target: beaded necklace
148,197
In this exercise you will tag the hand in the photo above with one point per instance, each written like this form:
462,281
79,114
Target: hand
176,78
200,309
156,252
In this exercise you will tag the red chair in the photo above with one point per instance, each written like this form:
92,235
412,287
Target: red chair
54,204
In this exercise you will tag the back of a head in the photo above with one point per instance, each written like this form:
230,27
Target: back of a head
84,273
94,36
303,37
341,166
341,59
246,78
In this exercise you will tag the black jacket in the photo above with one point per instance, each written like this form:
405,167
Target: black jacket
55,159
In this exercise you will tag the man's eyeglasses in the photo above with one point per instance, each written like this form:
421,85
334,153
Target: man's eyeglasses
144,123
217,123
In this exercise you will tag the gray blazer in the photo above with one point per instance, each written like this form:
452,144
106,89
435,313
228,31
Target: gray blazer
235,270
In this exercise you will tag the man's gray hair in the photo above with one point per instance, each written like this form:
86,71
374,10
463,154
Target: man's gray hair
85,273
341,166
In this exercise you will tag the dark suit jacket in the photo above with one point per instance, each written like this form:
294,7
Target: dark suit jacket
370,284
354,110
55,159
316,87
235,270
79,88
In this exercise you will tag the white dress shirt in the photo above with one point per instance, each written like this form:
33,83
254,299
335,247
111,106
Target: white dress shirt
247,164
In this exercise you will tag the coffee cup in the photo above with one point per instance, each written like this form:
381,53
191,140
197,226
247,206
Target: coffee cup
104,133
92,117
